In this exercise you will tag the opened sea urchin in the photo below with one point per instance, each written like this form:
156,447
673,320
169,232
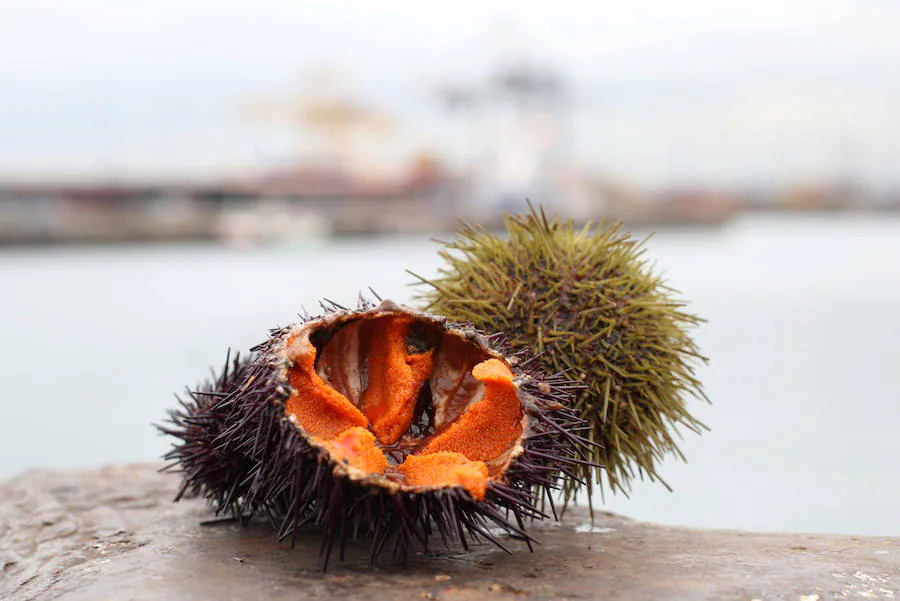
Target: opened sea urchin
589,305
382,422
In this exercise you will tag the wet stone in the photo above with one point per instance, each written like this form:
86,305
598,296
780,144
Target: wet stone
81,535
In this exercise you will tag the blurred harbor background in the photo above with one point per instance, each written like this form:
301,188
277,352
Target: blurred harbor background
215,121
177,177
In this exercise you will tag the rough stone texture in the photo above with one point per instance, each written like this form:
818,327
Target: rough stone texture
113,533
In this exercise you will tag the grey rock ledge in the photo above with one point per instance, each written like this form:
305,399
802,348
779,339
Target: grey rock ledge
113,533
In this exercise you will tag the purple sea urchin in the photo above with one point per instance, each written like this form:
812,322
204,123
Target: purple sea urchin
382,422
586,303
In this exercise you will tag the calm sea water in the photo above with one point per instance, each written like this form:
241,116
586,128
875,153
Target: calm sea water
803,333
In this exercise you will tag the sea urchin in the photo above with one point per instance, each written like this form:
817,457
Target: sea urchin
588,304
382,422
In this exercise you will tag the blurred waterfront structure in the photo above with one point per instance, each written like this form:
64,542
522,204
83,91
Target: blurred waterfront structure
307,205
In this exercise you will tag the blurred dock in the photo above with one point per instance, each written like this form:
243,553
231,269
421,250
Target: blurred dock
296,206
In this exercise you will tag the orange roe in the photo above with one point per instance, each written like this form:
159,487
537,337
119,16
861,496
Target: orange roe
490,426
446,469
321,410
395,378
356,447
457,456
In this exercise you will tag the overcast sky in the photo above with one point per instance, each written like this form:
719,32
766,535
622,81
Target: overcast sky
701,91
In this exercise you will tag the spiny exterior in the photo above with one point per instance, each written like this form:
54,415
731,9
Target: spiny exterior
238,447
588,304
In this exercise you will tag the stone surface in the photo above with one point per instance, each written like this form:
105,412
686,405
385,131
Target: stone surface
113,533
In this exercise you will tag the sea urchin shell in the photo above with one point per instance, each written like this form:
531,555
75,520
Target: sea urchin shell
383,422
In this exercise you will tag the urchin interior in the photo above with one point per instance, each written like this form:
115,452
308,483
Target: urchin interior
399,399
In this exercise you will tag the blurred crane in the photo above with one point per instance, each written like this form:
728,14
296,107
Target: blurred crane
518,142
336,131
517,119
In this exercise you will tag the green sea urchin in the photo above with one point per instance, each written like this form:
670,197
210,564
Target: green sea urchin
589,305
383,422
